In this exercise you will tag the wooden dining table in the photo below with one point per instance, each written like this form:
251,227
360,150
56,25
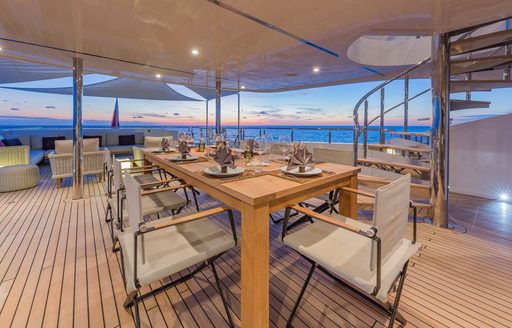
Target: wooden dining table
256,195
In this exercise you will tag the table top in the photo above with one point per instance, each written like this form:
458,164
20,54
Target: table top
259,188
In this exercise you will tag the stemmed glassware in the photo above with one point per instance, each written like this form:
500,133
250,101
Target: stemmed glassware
260,146
284,145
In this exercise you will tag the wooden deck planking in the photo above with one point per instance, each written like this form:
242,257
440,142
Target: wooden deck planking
57,269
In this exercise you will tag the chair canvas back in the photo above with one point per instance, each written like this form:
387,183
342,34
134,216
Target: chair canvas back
390,216
133,201
118,175
108,168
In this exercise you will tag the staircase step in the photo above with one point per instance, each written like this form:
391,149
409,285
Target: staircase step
479,64
395,165
491,40
410,134
399,148
467,104
478,85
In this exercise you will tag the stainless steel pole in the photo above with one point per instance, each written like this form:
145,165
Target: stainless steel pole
440,135
238,123
78,184
365,131
381,138
218,126
406,103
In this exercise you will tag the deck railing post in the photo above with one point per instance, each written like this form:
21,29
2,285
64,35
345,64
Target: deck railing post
291,135
78,183
218,118
365,130
330,135
381,136
440,135
406,103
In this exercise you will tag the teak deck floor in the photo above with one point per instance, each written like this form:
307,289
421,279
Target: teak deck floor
57,269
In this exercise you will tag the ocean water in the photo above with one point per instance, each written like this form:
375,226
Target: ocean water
335,134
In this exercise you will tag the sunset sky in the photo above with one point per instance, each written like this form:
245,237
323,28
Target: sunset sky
321,106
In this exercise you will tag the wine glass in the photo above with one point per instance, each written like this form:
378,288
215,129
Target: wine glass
269,142
284,145
260,145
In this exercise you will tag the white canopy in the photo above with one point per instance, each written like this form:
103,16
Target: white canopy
120,88
210,94
14,71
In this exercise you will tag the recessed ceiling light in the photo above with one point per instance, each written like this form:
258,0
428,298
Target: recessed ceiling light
195,52
316,69
504,197
242,87
1,48
158,76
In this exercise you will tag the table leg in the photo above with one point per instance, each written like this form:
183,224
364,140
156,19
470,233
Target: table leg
348,200
255,266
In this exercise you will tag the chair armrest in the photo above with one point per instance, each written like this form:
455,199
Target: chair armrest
156,183
165,223
359,192
154,191
370,233
145,167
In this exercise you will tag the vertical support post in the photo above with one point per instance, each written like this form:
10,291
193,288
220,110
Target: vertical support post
508,51
207,136
329,135
78,183
406,103
381,130
238,121
218,126
365,130
440,135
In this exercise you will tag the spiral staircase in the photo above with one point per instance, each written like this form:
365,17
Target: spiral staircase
480,61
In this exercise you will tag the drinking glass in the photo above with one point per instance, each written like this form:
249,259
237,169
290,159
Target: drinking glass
284,145
260,145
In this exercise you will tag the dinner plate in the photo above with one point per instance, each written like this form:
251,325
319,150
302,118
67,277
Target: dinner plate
310,171
179,159
215,171
159,151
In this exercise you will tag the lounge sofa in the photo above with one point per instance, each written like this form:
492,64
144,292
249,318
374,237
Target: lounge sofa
22,154
61,160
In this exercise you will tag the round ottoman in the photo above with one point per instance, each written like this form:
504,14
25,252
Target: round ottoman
18,177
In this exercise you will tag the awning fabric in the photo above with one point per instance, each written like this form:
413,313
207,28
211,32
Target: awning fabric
13,71
120,88
209,94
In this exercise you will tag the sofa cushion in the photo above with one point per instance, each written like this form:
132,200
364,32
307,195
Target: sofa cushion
155,142
2,143
66,146
139,137
95,137
128,140
36,156
12,142
49,142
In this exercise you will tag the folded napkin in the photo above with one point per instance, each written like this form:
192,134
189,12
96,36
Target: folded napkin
296,146
249,145
164,144
224,156
301,158
183,148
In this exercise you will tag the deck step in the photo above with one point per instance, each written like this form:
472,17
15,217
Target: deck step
491,40
394,166
478,85
473,65
468,104
399,148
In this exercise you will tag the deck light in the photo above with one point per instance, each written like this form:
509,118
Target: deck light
503,197
316,69
195,52
158,76
242,87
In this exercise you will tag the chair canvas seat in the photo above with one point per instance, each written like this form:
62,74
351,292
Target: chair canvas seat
351,258
145,178
172,249
154,203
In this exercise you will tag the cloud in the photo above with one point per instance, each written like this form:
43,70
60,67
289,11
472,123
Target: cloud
15,108
50,107
137,116
155,115
176,114
5,100
310,109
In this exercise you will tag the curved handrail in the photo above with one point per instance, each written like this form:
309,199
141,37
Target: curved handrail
357,126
